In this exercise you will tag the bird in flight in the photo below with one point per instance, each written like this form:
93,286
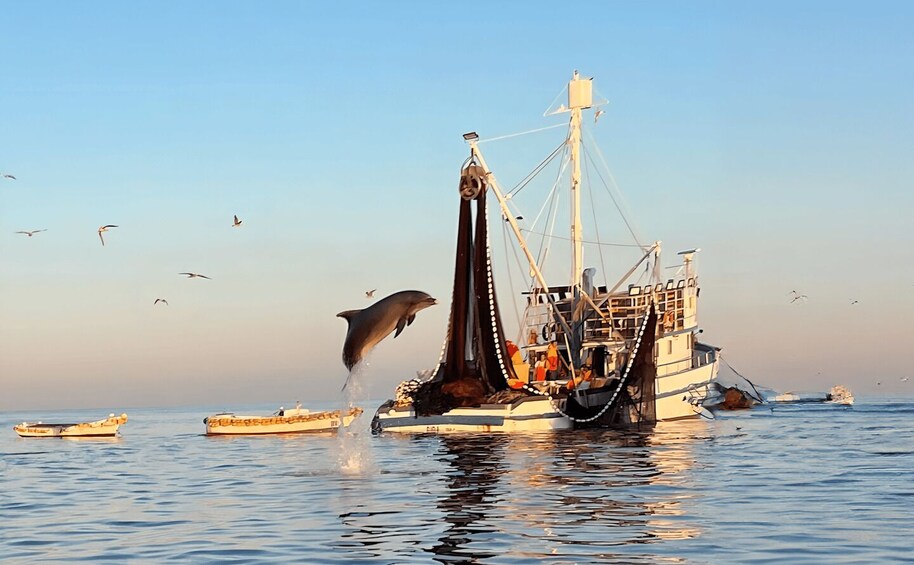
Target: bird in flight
904,379
162,300
31,233
797,296
597,114
854,302
195,275
370,293
104,228
10,177
237,222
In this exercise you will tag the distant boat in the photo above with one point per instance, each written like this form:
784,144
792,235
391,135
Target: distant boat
106,427
838,394
295,420
624,354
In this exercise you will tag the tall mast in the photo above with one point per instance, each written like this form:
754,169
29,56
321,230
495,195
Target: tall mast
580,96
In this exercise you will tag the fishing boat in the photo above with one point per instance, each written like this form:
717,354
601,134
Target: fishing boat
616,350
292,421
106,427
838,394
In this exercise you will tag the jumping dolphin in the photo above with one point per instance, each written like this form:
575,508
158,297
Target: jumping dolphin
369,326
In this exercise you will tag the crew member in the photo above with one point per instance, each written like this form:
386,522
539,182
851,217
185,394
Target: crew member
514,352
583,378
540,368
552,361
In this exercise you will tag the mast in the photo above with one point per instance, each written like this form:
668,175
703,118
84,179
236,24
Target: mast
580,96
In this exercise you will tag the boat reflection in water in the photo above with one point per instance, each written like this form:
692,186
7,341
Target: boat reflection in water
582,496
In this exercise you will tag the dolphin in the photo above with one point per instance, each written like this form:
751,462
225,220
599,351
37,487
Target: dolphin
369,326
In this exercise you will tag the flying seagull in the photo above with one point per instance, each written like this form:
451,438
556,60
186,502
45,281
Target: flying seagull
6,176
370,293
104,228
162,300
597,114
31,233
237,222
904,379
195,275
854,302
797,296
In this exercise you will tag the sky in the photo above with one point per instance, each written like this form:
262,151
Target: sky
776,136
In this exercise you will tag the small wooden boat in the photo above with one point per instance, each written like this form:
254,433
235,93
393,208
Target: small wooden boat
106,427
295,420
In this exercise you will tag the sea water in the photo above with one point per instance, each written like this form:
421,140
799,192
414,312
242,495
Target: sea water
810,483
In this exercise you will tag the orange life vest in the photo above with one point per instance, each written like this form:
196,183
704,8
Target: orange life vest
552,357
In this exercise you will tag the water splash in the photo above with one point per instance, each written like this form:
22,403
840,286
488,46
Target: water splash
355,451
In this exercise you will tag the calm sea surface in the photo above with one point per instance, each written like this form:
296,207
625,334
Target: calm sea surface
796,484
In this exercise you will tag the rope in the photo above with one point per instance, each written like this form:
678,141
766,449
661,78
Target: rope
752,384
488,139
588,242
536,170
619,206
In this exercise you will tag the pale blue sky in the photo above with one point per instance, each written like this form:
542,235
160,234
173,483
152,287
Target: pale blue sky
778,138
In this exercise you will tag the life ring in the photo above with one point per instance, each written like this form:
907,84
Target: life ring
548,329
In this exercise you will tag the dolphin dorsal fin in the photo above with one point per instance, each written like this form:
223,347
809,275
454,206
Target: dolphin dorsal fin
348,314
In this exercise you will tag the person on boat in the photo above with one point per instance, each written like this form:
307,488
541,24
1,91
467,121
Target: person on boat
552,361
540,368
582,380
514,352
298,404
281,411
533,338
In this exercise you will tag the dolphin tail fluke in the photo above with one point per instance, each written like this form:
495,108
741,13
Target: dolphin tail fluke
347,382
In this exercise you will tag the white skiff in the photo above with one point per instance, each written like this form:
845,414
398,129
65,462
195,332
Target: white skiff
295,420
106,427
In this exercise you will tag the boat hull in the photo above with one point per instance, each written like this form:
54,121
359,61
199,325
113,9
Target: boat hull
529,415
306,422
679,396
100,428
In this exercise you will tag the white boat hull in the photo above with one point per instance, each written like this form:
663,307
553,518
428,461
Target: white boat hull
100,428
530,415
294,423
680,395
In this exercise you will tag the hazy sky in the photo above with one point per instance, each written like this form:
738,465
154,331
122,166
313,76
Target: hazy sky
778,137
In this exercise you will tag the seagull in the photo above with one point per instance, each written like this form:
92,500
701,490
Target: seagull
162,300
797,296
370,293
904,379
854,302
104,228
6,176
237,222
597,114
31,233
195,275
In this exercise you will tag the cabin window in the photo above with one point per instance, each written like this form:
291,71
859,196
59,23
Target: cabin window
670,347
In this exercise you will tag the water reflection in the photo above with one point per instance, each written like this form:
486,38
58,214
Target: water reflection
595,495
476,468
